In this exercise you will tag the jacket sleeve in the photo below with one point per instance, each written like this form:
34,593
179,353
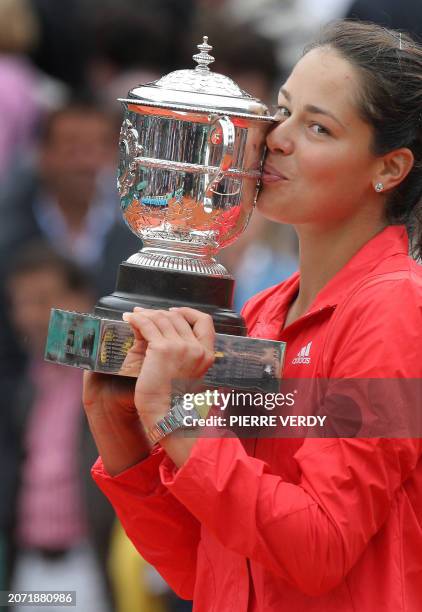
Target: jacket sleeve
162,529
311,533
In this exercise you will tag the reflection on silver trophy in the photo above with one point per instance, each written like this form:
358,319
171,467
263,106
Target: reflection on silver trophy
189,172
191,151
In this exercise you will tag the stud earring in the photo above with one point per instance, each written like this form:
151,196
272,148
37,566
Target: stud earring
379,187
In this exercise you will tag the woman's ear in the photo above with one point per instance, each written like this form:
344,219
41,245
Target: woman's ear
394,168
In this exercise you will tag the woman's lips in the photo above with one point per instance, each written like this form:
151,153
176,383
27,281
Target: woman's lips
271,175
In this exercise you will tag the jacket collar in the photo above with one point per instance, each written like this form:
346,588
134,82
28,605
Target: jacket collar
391,241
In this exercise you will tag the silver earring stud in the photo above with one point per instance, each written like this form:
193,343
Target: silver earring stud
379,187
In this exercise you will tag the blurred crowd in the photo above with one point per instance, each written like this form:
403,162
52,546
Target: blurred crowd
62,238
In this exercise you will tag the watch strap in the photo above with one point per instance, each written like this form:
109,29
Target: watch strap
171,422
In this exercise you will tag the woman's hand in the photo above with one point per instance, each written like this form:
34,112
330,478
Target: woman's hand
114,421
180,347
103,393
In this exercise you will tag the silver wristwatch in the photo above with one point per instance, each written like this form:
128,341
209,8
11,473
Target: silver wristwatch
173,421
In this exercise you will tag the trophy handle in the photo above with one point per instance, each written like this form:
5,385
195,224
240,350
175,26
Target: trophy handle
226,133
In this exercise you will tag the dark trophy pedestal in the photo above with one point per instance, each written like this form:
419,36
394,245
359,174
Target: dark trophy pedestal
163,288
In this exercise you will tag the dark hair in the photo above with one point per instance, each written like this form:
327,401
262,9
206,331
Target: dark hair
389,64
37,255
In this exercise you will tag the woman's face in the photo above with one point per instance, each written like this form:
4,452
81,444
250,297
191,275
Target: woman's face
319,168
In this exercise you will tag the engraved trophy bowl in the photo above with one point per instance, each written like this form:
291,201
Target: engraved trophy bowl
191,148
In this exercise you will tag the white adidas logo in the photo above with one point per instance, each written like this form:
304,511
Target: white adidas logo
303,354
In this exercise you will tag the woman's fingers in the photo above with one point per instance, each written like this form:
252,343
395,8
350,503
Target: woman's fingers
185,333
144,327
169,323
202,325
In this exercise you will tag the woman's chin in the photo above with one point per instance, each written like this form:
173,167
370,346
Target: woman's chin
274,209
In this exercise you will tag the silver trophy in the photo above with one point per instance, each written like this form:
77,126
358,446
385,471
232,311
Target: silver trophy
191,152
191,146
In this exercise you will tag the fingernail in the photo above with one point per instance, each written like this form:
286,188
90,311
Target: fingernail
126,316
138,308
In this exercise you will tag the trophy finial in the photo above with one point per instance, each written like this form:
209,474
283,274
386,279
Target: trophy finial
203,58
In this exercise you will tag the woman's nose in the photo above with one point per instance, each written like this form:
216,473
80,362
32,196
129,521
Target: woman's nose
279,138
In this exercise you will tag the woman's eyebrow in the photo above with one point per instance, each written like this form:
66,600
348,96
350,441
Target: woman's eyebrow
311,108
285,94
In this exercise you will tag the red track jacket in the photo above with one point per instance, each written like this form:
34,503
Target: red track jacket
315,525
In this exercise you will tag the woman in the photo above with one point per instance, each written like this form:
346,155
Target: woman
316,524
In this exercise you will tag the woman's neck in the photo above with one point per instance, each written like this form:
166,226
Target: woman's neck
323,253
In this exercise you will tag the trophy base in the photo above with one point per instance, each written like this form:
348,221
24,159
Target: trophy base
108,346
162,289
173,260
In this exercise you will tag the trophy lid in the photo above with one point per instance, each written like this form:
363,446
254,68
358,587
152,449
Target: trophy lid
199,90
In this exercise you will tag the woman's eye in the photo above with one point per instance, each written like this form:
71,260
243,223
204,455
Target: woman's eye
319,129
282,112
